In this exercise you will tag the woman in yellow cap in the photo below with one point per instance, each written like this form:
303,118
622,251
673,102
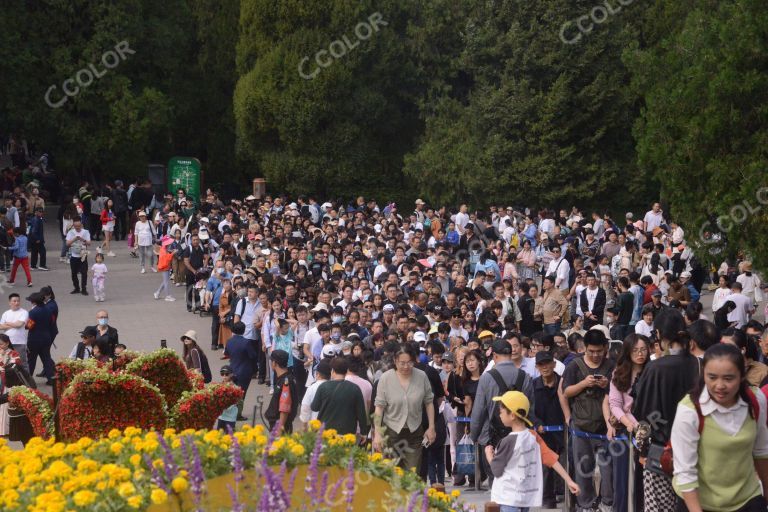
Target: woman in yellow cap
516,462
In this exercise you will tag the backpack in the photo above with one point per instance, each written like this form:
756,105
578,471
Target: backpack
497,430
164,260
587,406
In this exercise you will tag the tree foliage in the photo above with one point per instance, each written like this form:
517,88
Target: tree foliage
703,130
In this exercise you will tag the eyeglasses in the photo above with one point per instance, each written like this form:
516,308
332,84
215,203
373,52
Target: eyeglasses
404,363
639,351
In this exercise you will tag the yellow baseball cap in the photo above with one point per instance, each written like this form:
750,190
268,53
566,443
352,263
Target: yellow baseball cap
516,402
483,334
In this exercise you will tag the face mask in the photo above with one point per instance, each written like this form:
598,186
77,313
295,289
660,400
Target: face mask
335,337
220,271
75,201
103,321
337,319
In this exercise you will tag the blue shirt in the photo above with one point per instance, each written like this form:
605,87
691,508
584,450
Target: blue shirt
19,247
214,285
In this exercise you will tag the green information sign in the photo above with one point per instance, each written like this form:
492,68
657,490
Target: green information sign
185,172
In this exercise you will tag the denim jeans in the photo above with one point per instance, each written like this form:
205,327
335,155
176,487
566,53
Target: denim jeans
552,328
509,508
620,453
436,464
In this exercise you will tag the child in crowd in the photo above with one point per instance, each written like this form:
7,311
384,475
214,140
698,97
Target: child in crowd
99,278
516,462
228,418
119,349
20,255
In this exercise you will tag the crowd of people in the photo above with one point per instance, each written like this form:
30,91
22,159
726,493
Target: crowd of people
425,331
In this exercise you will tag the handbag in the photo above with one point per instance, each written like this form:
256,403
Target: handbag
465,456
131,240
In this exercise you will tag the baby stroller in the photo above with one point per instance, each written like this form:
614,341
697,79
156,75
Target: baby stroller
200,295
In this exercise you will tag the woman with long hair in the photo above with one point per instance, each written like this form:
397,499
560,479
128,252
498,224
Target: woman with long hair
193,356
720,438
663,383
107,226
632,359
226,304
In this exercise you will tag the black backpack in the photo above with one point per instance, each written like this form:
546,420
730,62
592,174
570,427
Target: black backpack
497,429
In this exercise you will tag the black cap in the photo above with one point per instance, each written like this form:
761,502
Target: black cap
280,357
501,347
544,356
89,331
225,369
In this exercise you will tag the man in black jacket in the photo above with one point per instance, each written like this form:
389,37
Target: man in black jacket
592,302
120,209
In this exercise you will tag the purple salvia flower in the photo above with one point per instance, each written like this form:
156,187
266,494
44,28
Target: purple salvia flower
350,488
237,460
331,498
157,479
197,476
291,482
412,501
169,461
322,490
425,503
314,462
237,505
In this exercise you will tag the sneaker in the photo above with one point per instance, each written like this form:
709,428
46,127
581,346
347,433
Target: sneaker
156,295
214,347
44,269
154,269
32,268
271,391
11,283
143,271
84,292
169,299
75,291
111,254
29,285
178,284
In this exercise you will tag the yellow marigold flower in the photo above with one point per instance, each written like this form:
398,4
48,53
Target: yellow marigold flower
135,459
126,489
87,466
158,496
211,436
399,471
169,432
158,464
350,438
375,457
9,498
176,443
83,498
329,434
455,494
135,501
314,424
179,484
297,450
114,434
116,448
261,440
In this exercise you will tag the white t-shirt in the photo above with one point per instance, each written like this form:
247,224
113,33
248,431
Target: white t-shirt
143,232
75,250
18,335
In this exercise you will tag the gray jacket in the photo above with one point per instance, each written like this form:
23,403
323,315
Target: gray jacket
482,408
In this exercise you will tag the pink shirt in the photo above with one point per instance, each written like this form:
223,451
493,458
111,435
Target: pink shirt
364,385
620,404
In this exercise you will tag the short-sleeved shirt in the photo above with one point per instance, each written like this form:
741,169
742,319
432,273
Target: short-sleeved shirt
18,335
284,400
75,250
403,408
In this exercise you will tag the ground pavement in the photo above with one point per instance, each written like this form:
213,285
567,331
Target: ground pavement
141,321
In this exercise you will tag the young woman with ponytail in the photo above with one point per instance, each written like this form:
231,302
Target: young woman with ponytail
663,383
719,428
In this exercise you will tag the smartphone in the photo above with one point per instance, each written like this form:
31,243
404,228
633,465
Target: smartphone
598,376
425,443
163,344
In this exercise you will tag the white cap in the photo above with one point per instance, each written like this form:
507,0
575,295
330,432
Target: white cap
320,306
326,206
419,336
329,351
205,219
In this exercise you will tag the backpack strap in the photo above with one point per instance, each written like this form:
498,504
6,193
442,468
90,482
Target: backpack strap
754,405
697,406
503,388
519,381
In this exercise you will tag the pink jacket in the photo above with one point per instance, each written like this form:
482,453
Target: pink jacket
620,404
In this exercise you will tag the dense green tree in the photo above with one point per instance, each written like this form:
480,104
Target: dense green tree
703,125
341,129
544,121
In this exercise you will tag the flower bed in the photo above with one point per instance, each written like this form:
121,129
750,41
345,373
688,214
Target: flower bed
36,405
164,369
98,401
199,409
134,469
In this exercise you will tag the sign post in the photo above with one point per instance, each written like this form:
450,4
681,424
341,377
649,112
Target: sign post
186,173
